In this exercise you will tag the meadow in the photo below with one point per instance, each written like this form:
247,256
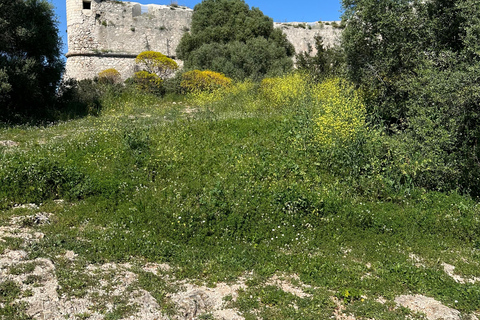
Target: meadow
254,180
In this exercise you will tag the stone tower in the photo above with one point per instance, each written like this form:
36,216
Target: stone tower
106,34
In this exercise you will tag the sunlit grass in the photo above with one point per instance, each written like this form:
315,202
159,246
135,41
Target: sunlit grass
217,196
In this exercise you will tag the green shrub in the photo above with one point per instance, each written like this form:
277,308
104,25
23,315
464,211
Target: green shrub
36,180
228,36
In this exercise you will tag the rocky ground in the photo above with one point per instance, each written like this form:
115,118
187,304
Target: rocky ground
117,284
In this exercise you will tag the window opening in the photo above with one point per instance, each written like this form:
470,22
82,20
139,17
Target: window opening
87,5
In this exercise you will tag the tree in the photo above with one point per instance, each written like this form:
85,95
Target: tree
157,63
30,62
418,62
228,37
325,62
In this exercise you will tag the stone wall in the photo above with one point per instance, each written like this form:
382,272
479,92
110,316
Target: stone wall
106,34
302,34
112,33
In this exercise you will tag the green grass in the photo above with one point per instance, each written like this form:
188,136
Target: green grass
218,196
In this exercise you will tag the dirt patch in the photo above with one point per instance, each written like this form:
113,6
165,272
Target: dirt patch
193,301
339,311
113,283
433,309
450,270
8,143
285,283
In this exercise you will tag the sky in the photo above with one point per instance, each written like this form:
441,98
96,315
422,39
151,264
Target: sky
278,10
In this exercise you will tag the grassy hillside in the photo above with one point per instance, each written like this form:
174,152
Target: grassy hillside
245,182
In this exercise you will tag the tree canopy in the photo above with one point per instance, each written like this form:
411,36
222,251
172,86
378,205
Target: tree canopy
30,57
419,63
228,36
157,63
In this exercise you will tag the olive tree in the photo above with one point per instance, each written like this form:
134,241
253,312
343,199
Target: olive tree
30,56
418,64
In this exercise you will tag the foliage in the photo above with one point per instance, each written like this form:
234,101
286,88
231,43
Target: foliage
30,57
81,98
221,190
417,63
156,63
148,82
283,91
241,97
325,63
341,115
207,80
109,76
229,37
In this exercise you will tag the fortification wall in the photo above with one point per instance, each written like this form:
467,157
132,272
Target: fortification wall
110,34
106,34
302,34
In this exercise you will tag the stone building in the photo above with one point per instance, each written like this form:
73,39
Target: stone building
106,34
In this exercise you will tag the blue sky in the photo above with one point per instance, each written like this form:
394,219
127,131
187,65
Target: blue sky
278,10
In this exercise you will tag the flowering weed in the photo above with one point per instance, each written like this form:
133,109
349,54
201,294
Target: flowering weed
341,113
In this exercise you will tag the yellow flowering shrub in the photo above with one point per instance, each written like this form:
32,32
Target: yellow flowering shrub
207,80
109,76
147,81
157,63
236,93
341,114
283,90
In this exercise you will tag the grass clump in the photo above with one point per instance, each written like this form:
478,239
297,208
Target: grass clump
9,290
22,268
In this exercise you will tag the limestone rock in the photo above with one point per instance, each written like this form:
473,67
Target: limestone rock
432,308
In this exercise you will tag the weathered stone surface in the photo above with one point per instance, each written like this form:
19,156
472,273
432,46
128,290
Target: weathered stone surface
8,143
302,35
112,33
432,308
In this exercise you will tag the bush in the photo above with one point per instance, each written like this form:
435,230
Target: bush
327,62
81,98
157,63
207,80
149,82
109,76
419,64
284,90
341,116
172,85
35,180
229,37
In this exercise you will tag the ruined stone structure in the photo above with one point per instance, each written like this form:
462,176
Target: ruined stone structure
106,34
302,34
